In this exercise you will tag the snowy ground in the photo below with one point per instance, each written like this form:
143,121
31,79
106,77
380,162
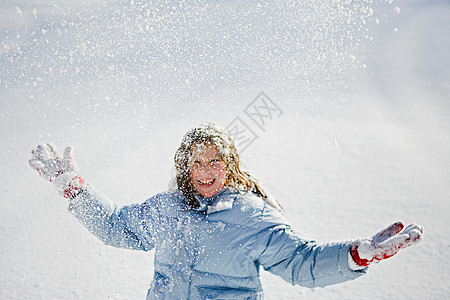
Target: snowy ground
363,139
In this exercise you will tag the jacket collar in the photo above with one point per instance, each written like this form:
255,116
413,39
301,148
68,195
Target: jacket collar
223,200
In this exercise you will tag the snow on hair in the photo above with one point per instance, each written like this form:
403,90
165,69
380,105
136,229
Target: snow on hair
236,178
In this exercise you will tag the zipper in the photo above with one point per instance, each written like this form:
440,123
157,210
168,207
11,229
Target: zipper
196,251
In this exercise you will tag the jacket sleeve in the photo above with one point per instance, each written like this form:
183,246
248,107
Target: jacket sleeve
283,252
132,227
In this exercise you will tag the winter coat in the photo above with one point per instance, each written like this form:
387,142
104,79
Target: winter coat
215,251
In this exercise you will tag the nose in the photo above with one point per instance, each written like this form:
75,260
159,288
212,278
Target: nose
205,170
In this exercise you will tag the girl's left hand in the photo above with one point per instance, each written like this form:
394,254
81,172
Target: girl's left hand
386,243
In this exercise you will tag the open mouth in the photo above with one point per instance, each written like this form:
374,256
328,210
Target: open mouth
206,183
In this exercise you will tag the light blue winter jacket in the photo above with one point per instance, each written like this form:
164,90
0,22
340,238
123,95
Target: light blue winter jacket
214,252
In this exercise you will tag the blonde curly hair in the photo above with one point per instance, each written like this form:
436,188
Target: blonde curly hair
235,177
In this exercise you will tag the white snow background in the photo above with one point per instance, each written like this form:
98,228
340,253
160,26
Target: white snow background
363,141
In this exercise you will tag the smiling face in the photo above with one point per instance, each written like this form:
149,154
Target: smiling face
207,170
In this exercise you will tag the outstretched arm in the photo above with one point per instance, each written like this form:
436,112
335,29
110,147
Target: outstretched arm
117,227
302,262
282,252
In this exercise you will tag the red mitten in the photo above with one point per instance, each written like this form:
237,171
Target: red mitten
386,243
59,170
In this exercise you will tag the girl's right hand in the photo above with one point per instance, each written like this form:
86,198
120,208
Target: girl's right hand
59,170
49,163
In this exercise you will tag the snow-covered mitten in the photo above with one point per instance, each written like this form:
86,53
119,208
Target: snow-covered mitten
59,170
385,244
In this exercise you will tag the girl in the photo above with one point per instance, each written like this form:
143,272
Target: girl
214,230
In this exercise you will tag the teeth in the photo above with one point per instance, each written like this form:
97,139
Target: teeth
206,182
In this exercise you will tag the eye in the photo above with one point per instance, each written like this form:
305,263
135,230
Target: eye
215,162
